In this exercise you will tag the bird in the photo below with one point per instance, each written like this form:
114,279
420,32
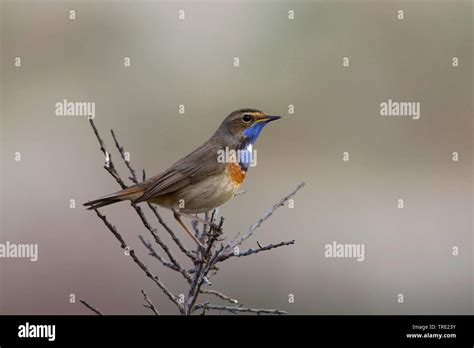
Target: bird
205,178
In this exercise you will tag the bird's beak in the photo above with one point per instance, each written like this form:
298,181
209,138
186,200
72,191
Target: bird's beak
269,118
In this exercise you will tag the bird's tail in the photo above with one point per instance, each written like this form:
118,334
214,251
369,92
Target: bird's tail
130,193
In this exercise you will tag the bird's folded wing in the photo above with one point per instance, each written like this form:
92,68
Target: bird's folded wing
193,168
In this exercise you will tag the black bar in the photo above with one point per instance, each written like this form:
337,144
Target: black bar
291,330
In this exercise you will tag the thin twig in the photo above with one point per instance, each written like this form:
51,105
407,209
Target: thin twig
171,233
203,268
153,253
239,309
239,240
155,235
201,278
122,154
91,307
139,262
205,231
195,226
109,165
159,241
220,295
255,251
149,304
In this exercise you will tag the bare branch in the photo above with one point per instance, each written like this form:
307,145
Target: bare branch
153,253
239,309
201,277
171,233
149,304
204,267
255,251
152,230
109,165
219,294
139,262
91,307
159,241
122,154
239,240
195,226
170,265
205,231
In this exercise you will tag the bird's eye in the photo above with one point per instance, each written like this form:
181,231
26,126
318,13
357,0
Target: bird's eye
246,118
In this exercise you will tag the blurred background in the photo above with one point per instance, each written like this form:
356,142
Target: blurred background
190,62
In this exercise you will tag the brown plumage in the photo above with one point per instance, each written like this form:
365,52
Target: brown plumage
198,182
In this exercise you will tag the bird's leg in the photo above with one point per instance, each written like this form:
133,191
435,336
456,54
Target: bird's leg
205,222
178,218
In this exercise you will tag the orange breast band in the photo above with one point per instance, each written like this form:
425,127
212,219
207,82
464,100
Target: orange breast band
236,174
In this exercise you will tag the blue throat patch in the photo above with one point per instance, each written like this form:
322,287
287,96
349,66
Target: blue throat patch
251,134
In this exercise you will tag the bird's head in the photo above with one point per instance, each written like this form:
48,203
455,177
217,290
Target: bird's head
246,124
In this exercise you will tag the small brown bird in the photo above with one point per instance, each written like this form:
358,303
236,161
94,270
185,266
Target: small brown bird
204,179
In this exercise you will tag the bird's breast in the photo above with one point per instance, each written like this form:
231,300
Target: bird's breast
205,194
236,173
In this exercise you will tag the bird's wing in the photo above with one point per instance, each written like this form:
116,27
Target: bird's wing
196,166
